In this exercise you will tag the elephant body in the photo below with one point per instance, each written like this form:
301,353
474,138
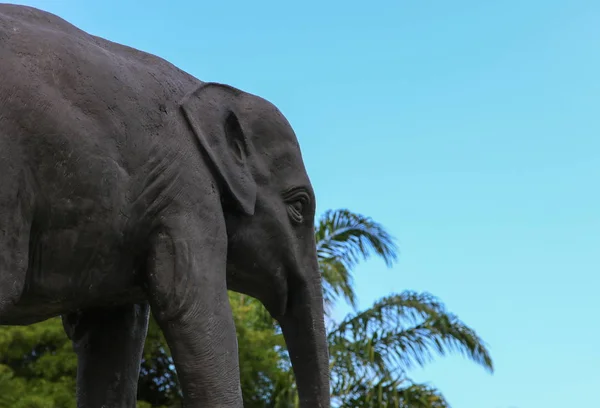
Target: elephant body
126,184
110,155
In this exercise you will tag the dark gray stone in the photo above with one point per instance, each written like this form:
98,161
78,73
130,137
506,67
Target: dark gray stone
127,185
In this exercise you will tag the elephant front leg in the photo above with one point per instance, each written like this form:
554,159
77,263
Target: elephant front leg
109,345
188,293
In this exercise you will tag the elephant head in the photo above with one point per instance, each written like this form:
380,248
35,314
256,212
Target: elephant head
269,210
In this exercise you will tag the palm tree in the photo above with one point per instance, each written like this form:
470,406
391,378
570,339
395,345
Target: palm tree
372,350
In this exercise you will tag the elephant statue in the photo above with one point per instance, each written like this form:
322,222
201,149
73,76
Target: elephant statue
129,186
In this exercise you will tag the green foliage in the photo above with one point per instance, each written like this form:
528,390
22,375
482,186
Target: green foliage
373,350
37,366
398,332
393,394
344,238
262,352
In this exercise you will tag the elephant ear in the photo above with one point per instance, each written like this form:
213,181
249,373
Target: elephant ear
210,112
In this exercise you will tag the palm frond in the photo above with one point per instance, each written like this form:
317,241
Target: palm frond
392,393
343,239
398,333
337,282
392,311
421,396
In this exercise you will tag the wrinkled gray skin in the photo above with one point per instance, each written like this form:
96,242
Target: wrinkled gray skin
127,184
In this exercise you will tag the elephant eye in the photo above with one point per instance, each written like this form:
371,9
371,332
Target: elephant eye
295,212
297,201
298,206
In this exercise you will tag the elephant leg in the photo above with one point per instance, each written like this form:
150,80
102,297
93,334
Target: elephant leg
109,345
188,292
16,219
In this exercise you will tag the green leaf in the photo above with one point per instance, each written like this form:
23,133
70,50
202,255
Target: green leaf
343,238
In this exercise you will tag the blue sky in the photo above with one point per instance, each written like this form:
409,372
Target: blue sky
467,128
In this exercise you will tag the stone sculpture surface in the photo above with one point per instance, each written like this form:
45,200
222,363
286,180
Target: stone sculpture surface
127,185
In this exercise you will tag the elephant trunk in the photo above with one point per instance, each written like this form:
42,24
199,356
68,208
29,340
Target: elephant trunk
303,328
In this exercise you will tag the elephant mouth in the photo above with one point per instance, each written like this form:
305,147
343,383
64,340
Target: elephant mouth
280,301
272,292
